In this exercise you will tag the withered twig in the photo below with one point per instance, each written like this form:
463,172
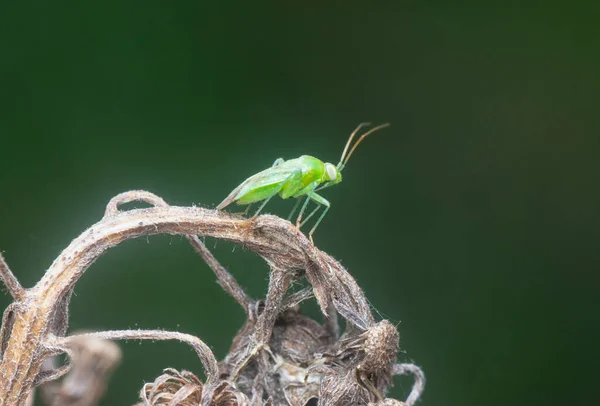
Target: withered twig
419,383
225,279
112,208
10,281
92,360
296,298
357,366
203,351
278,285
276,240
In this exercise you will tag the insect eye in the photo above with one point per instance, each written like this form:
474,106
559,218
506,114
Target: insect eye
331,171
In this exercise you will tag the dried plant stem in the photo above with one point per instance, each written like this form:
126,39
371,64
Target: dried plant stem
278,286
204,352
419,383
10,281
39,312
226,280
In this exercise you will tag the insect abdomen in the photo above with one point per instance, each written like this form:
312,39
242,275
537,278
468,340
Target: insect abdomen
257,194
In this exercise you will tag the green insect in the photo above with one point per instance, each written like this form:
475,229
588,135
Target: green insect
296,178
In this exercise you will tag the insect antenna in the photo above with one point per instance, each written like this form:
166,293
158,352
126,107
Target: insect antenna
343,161
361,125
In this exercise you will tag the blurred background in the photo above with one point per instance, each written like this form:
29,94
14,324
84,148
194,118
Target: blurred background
472,222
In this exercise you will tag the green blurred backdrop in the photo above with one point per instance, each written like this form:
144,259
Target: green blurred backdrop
473,222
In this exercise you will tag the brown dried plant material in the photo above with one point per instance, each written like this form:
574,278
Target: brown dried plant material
185,389
279,358
173,387
93,359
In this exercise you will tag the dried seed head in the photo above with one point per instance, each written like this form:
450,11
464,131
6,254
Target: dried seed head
173,387
225,395
380,348
185,389
297,337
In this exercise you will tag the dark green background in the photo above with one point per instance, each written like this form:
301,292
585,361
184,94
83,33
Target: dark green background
473,221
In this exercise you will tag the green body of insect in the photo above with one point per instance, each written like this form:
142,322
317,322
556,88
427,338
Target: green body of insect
295,178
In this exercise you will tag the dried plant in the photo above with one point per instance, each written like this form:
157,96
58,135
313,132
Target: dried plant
93,359
279,357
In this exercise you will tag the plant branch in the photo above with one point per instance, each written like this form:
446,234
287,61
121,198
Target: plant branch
419,384
203,351
10,281
225,279
282,246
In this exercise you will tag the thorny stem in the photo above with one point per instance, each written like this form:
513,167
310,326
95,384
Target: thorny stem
34,325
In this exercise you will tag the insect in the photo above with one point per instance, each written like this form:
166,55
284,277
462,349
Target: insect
295,178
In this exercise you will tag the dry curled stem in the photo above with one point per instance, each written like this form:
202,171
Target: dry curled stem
93,360
280,357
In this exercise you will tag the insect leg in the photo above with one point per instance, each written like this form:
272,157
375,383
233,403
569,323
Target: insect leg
324,202
308,197
310,215
289,218
263,204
